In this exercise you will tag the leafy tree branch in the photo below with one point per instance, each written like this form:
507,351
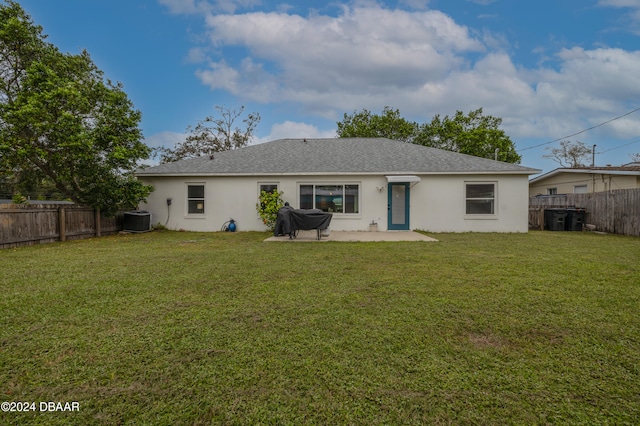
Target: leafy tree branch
215,133
473,133
61,121
570,154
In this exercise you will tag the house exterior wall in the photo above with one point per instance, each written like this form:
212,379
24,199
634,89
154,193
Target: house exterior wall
437,202
565,183
440,204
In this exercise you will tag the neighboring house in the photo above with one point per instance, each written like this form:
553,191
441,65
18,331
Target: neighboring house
585,180
398,185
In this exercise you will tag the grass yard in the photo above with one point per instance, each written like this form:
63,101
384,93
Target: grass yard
171,328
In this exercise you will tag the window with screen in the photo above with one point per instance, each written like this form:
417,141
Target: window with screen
195,199
480,198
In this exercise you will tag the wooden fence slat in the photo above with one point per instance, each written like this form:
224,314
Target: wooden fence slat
28,224
62,224
616,211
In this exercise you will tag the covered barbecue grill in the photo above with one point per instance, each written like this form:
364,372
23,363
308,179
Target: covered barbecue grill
290,221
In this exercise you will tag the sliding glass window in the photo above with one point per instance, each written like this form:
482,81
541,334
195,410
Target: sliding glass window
332,198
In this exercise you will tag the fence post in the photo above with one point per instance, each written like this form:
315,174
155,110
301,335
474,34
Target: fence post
541,218
96,213
61,224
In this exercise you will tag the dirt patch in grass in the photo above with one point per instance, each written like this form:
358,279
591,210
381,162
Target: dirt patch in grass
487,341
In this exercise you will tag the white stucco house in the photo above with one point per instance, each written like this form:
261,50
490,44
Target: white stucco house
398,185
585,180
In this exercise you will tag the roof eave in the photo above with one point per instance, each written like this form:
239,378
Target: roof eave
585,171
376,173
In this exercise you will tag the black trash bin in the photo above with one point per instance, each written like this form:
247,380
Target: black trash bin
555,219
137,221
575,219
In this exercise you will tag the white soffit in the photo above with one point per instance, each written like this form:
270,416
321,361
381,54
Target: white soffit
409,178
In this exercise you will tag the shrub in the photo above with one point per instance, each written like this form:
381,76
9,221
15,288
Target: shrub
268,205
19,199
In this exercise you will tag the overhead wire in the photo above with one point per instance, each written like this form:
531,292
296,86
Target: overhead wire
619,146
580,132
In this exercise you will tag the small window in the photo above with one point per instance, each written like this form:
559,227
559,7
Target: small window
351,202
306,196
480,198
552,191
268,187
195,199
580,189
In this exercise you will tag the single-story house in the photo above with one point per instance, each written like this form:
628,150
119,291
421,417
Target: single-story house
585,180
398,185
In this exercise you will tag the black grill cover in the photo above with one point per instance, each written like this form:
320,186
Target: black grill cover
290,220
283,221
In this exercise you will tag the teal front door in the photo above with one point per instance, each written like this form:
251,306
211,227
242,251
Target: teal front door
398,207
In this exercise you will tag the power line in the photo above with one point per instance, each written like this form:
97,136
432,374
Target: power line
620,146
581,131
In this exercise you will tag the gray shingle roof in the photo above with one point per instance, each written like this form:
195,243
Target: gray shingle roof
334,156
629,170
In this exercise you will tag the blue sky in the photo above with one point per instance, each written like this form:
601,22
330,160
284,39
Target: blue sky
549,68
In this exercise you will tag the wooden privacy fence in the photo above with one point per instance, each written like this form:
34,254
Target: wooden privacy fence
28,224
616,212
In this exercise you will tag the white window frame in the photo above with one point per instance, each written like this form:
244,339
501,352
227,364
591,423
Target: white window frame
261,184
552,191
339,183
493,215
585,187
189,199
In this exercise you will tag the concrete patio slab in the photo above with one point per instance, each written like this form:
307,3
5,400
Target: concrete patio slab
354,236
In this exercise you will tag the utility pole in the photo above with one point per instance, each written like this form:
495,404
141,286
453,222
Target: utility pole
593,156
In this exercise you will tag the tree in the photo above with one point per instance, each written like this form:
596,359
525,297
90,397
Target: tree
61,122
570,154
389,125
213,134
473,134
21,41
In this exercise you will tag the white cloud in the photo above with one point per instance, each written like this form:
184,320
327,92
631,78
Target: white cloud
290,129
196,55
220,76
164,139
422,62
632,23
620,3
600,73
599,81
359,54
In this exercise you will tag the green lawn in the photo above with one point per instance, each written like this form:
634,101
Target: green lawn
190,328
